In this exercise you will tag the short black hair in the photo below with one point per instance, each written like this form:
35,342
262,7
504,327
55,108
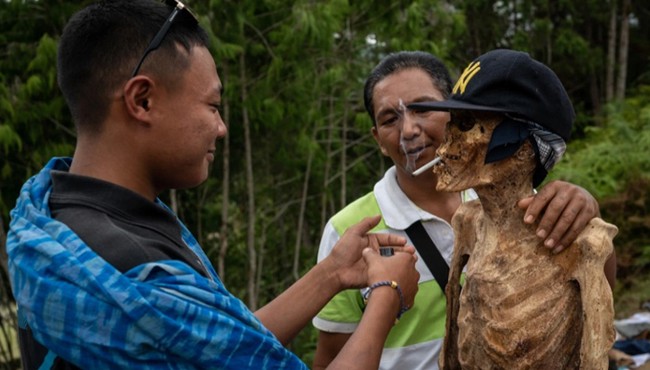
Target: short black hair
101,44
402,60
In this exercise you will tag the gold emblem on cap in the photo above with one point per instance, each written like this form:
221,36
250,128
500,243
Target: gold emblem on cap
467,75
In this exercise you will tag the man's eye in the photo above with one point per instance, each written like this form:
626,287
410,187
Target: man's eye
388,121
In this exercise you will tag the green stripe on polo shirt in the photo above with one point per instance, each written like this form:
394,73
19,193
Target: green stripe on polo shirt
345,307
365,206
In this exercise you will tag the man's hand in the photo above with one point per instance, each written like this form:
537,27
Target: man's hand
346,257
565,208
399,267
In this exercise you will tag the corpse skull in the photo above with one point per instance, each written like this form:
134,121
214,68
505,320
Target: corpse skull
521,306
464,150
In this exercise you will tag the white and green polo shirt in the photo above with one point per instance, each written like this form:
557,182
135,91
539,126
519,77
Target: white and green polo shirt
415,341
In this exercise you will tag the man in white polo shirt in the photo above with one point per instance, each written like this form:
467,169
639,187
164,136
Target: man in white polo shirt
410,138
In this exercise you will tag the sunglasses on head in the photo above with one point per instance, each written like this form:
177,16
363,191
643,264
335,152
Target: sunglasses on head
157,40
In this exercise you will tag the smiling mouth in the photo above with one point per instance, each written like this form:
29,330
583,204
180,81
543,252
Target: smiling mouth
416,150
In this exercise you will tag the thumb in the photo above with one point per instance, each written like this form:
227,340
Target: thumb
366,225
369,255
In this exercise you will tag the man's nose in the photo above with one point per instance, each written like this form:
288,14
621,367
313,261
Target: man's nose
411,127
222,128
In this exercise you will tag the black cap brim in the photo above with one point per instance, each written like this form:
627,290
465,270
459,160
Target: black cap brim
452,104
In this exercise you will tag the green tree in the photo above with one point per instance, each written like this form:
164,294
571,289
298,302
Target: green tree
299,146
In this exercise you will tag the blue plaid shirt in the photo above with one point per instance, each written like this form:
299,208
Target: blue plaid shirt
160,315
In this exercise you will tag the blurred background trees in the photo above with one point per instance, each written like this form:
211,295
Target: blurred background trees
299,146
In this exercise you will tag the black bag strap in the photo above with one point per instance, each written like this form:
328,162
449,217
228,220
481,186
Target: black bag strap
429,253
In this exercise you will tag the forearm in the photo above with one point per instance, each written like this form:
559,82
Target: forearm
364,348
291,311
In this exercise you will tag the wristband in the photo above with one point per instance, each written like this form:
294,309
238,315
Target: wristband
393,284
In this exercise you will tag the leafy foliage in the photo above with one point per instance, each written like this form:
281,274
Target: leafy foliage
296,70
607,159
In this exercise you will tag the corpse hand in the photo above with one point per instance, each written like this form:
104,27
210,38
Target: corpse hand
346,256
566,209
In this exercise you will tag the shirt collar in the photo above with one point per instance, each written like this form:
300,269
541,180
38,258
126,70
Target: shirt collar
398,211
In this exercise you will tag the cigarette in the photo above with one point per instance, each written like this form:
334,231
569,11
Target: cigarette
427,166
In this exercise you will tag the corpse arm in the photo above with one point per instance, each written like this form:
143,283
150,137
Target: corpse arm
462,223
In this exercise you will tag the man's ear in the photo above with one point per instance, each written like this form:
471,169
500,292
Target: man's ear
138,97
375,134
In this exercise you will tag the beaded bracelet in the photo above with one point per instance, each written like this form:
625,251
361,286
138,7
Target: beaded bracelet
393,284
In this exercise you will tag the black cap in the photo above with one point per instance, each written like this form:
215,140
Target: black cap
512,82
